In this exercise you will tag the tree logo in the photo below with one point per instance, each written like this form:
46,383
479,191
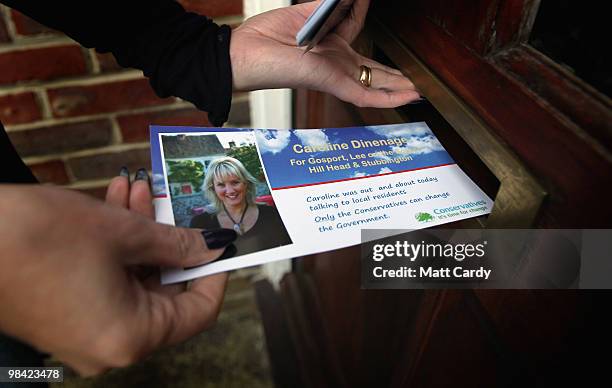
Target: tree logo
424,217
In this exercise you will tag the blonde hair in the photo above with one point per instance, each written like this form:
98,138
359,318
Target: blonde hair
222,168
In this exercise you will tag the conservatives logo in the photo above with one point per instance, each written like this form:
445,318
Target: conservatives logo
424,217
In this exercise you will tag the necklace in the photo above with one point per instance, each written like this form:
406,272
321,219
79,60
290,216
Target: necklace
237,225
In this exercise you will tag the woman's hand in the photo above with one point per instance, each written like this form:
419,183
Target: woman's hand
264,55
68,283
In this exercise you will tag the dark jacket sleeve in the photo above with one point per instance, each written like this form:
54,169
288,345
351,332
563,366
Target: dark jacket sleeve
183,54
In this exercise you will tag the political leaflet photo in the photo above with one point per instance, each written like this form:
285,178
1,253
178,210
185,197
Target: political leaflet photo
290,193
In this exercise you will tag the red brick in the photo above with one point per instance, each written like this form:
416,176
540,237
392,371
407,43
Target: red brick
19,108
102,98
4,36
62,138
135,127
41,63
26,26
108,63
213,8
52,171
108,165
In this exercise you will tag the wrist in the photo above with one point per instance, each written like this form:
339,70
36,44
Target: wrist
237,60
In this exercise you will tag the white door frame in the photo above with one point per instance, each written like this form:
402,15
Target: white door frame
270,109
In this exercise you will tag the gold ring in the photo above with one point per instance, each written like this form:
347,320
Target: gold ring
365,76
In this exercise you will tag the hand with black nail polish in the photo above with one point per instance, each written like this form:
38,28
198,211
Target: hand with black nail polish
81,281
218,238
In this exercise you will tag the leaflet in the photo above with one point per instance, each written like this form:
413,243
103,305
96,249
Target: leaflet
291,193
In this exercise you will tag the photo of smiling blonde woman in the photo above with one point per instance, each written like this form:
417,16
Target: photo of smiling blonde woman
231,190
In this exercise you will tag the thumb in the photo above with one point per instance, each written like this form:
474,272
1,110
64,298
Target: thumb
170,246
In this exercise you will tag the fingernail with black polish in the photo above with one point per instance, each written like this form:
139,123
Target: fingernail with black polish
219,238
230,251
124,172
142,175
420,100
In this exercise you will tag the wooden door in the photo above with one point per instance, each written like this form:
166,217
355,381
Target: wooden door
541,93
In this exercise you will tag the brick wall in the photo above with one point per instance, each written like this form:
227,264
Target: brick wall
74,115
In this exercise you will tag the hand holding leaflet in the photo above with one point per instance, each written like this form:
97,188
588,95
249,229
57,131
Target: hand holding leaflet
264,56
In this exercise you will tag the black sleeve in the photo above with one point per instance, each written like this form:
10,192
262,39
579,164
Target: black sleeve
13,169
182,53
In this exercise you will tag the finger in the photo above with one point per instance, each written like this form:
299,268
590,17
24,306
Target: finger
382,74
200,305
140,198
169,290
118,191
386,99
190,312
149,276
377,98
382,79
168,246
376,65
356,93
153,284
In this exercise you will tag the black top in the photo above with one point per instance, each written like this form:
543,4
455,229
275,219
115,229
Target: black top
13,169
268,231
183,54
